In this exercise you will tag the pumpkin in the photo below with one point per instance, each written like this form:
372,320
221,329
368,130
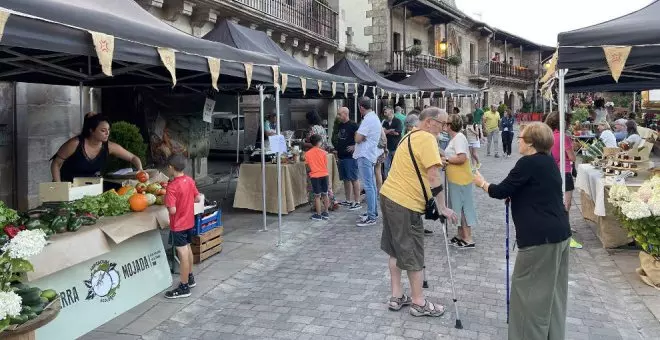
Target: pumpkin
138,202
142,176
126,190
151,199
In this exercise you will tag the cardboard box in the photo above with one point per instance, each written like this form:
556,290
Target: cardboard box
67,191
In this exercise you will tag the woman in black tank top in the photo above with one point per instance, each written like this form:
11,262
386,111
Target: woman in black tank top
86,155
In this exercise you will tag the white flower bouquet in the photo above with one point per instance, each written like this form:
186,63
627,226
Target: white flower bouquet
639,213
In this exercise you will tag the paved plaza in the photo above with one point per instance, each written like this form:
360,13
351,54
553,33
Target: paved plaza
329,280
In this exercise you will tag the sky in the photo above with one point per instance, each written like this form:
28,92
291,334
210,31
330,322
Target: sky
541,20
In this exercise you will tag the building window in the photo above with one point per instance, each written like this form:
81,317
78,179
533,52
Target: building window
417,42
473,53
396,41
290,2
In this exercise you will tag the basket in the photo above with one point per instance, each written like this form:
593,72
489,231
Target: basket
49,313
207,221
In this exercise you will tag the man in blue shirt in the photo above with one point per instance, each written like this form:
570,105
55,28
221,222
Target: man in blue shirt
367,152
620,130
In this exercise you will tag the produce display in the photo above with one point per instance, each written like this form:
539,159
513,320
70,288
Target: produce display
33,302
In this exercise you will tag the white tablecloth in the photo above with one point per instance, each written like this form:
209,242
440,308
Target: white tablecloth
590,180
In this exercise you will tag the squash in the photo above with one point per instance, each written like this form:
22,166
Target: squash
138,202
151,199
127,189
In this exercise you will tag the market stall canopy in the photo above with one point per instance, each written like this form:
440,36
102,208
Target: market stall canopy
360,70
134,45
244,38
617,55
432,81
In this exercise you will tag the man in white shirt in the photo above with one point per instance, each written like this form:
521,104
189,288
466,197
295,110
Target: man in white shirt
367,152
606,135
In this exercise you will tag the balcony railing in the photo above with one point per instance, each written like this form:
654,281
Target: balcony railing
401,62
478,69
310,15
511,71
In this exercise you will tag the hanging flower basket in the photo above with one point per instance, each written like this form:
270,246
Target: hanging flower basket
414,51
455,60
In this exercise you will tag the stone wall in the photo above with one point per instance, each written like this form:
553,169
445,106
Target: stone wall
47,116
356,15
7,185
381,45
416,28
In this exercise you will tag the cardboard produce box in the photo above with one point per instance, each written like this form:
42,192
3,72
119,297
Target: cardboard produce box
68,191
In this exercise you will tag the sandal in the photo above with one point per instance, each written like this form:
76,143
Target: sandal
396,303
464,245
429,309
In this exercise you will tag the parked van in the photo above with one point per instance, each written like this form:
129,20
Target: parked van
225,130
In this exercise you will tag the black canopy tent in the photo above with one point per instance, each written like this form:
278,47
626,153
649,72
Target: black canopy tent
244,38
367,77
432,81
48,41
581,52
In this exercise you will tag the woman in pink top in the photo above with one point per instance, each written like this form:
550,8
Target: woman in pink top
553,121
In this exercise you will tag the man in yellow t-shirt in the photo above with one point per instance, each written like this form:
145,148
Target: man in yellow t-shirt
492,129
402,204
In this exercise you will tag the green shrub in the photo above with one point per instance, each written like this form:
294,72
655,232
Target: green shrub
502,109
129,137
580,115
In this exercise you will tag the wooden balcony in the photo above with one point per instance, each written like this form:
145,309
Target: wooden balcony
310,15
403,63
503,70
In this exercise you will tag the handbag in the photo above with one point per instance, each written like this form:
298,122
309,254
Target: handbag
431,211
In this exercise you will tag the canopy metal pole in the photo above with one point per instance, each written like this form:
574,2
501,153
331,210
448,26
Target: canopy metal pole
634,102
562,130
279,169
263,155
238,127
356,106
80,102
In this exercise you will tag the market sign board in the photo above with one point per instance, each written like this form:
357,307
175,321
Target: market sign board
651,99
98,290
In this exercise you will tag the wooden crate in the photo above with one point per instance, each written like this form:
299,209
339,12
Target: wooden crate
68,191
207,244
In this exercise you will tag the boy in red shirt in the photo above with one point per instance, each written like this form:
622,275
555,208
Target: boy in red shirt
180,201
317,161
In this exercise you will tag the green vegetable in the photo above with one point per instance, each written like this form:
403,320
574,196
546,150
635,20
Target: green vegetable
33,224
7,215
49,294
3,239
17,320
74,224
32,315
59,224
26,309
106,204
37,309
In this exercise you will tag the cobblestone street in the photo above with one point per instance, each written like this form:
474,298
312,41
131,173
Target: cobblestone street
329,280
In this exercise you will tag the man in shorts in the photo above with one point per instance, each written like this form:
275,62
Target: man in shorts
348,167
402,203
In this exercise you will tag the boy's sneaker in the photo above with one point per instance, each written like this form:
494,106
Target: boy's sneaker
362,218
355,206
191,281
182,291
316,217
345,203
368,222
325,216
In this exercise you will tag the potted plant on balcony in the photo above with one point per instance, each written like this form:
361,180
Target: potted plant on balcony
414,51
639,212
455,60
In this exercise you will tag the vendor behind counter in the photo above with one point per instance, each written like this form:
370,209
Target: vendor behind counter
86,155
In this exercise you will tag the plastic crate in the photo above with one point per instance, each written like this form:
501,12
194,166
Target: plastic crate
207,221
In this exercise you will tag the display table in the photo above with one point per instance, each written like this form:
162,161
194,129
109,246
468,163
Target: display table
294,186
102,271
596,208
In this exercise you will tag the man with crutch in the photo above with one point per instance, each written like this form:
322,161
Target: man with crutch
405,197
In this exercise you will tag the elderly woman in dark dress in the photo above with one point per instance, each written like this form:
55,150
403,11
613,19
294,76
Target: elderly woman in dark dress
539,284
86,154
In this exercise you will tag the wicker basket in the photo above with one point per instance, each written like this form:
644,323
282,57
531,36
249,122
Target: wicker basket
26,331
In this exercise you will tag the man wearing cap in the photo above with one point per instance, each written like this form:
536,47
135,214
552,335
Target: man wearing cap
620,131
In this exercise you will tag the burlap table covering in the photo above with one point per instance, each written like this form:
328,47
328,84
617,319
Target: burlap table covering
294,186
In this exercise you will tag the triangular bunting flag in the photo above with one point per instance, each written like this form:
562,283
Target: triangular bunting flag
285,81
357,89
551,68
364,92
345,90
3,21
442,93
432,93
303,85
276,74
168,58
248,73
214,68
422,95
319,83
389,95
334,89
374,91
616,59
103,43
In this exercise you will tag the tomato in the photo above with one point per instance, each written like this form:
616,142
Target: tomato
142,176
161,192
